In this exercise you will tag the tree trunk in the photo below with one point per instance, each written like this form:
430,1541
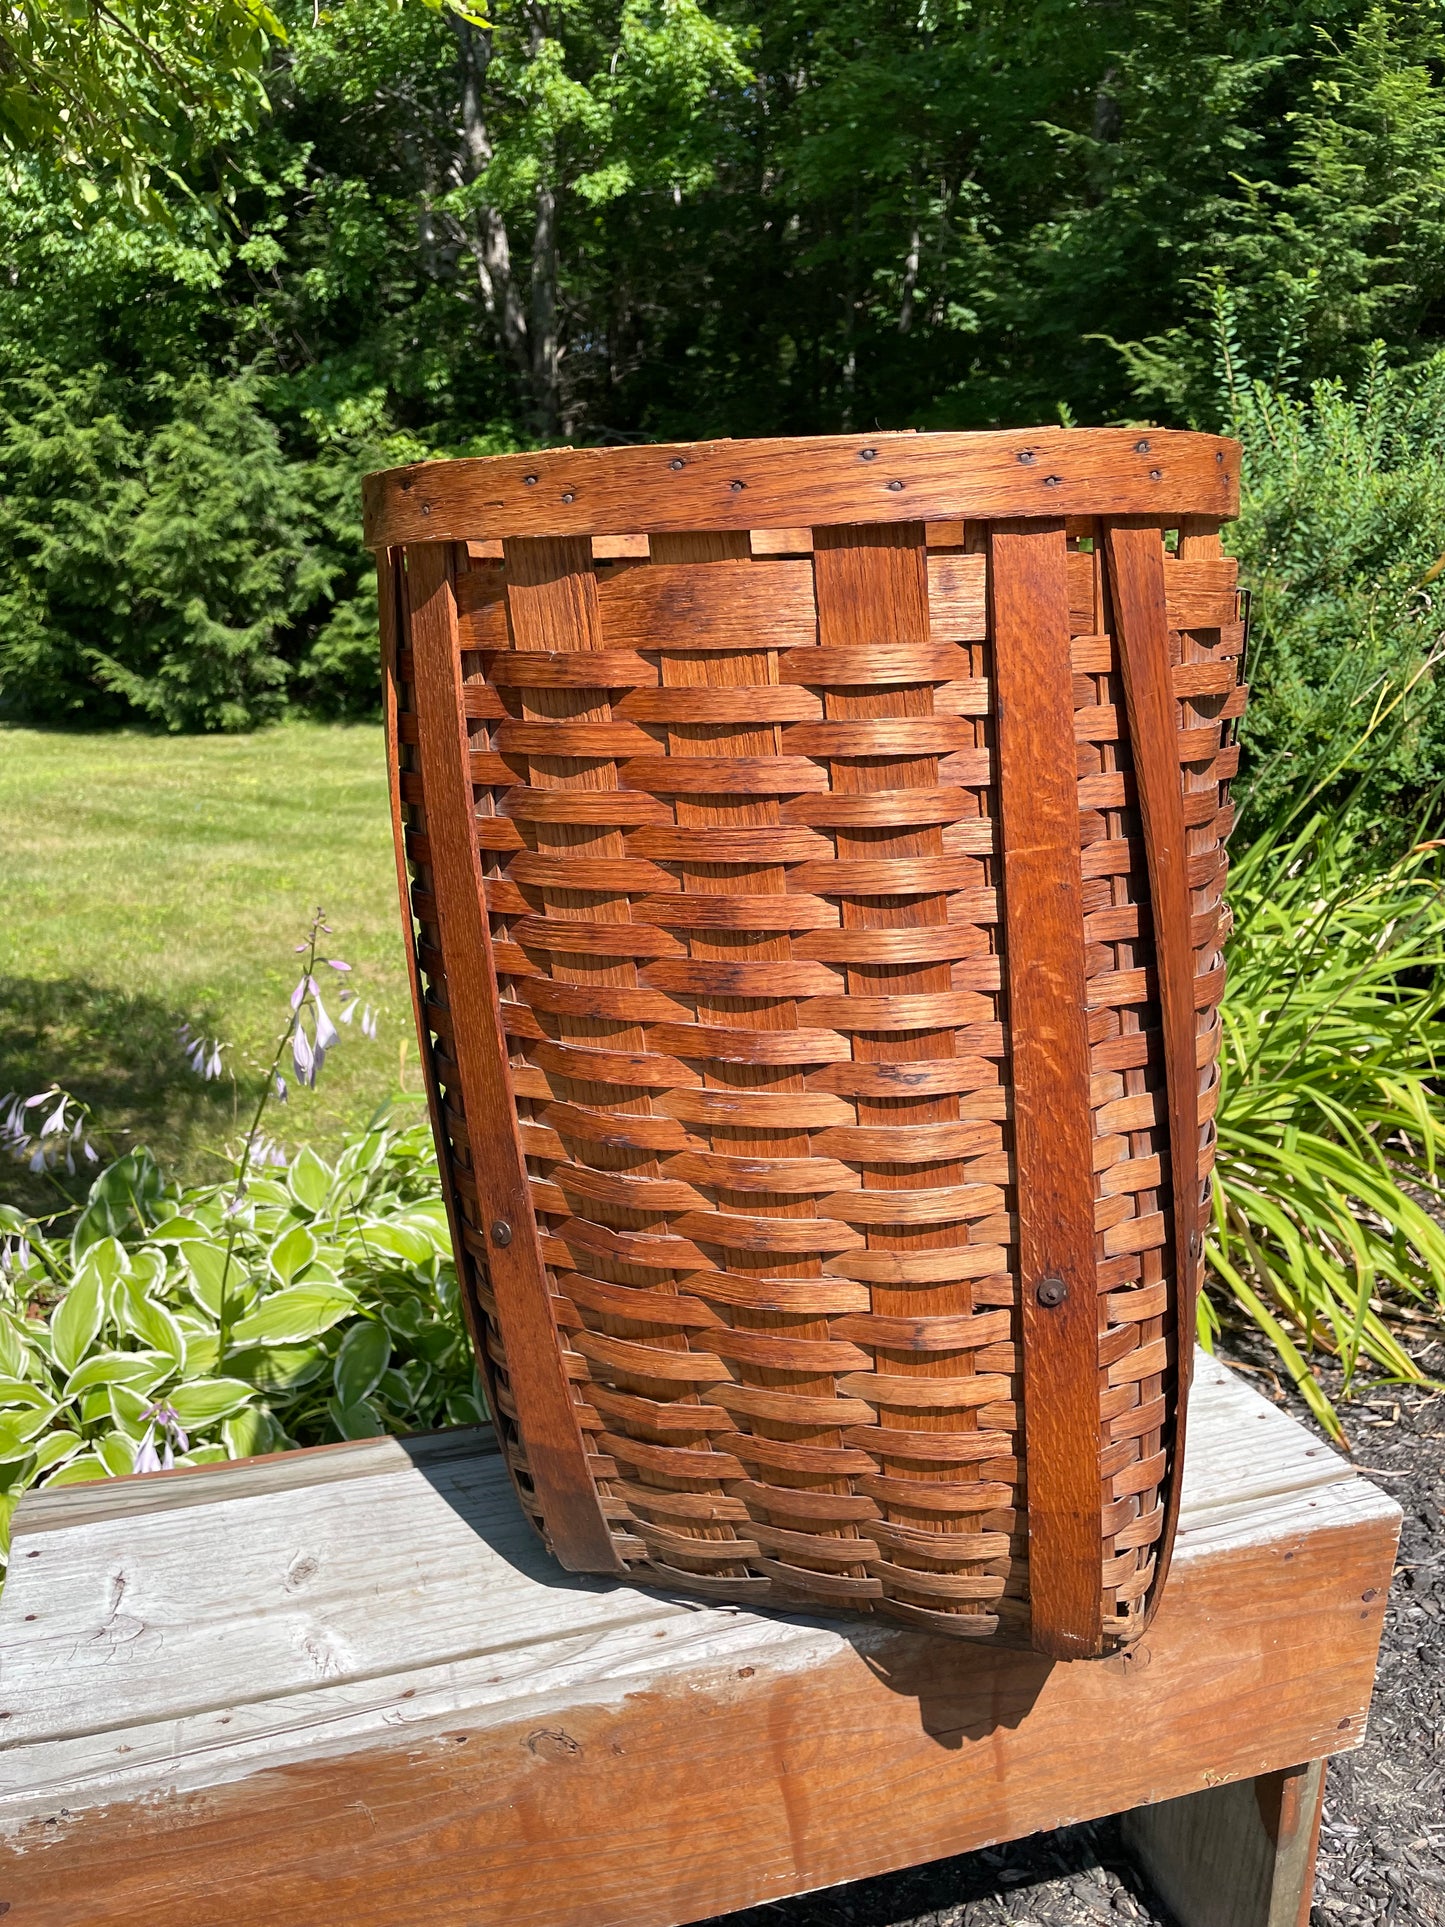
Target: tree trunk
546,351
484,232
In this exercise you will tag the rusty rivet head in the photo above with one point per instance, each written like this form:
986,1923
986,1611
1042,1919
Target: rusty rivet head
1051,1292
501,1233
676,463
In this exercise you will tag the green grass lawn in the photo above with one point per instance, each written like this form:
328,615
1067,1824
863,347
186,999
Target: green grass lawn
149,881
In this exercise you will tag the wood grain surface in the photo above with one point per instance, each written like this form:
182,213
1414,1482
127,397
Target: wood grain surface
557,1462
1141,618
349,1685
844,479
1053,1125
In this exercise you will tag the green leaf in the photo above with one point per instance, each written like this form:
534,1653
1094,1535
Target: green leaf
292,1253
80,1470
141,1370
364,1354
288,1317
54,1449
251,1433
309,1181
411,1245
23,1391
128,1409
206,1400
76,1323
355,1421
12,1350
19,1430
206,1263
116,1452
157,1328
181,1231
284,1368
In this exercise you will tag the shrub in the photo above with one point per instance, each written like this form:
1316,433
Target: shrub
165,559
1327,1203
169,1328
1340,535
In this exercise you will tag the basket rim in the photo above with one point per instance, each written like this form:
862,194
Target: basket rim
812,481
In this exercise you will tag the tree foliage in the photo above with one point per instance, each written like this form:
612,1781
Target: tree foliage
384,228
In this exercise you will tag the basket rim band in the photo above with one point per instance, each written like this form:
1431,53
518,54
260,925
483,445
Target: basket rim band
806,481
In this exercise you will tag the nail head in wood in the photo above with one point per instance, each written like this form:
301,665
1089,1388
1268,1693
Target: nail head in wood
1051,1292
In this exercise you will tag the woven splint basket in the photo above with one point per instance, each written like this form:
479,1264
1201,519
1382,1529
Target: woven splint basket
811,858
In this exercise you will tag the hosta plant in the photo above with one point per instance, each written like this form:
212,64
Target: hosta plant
171,1326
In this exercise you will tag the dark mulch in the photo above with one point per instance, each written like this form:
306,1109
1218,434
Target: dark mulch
1382,1851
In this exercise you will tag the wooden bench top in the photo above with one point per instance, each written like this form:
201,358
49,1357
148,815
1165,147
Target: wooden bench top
348,1685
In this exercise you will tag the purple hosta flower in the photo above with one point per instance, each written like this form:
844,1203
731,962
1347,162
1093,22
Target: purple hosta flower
281,1090
368,1016
14,1256
203,1055
326,1031
173,1435
238,1201
298,995
303,1057
335,963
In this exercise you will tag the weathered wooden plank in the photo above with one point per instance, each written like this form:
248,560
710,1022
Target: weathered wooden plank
1241,1855
373,1698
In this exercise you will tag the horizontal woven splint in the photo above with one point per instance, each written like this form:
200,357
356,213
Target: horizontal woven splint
811,858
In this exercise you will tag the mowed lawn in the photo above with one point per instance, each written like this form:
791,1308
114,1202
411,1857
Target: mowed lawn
150,881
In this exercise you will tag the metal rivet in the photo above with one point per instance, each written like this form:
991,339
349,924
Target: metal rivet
869,454
530,480
1026,456
426,508
737,487
1156,474
568,496
1141,448
1053,481
1219,454
1051,1292
408,482
895,486
677,462
501,1233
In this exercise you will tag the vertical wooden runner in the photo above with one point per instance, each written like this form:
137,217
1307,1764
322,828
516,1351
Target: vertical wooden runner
1135,553
577,1531
1043,916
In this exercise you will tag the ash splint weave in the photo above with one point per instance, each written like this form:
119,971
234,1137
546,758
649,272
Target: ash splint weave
812,858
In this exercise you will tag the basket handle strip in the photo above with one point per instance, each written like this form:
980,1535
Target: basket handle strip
547,1417
391,591
1053,1125
1135,555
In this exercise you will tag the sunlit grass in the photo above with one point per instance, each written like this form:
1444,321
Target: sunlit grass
149,880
